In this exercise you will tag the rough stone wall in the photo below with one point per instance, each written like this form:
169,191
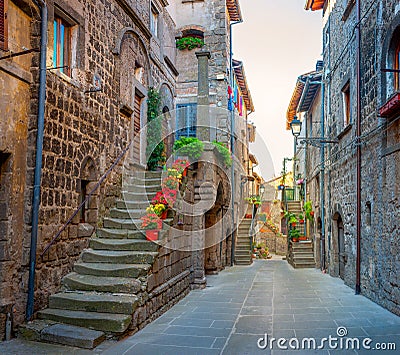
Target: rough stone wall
168,283
84,134
15,85
379,245
276,244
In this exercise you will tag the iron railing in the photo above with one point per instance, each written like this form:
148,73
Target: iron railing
88,196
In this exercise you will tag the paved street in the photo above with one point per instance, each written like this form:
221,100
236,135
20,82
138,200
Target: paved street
241,305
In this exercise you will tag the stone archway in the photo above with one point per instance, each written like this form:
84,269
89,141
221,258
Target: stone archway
214,259
86,183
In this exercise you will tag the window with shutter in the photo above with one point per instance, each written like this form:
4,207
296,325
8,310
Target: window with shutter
3,25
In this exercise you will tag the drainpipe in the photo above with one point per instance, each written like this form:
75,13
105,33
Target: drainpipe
358,207
38,164
231,78
322,177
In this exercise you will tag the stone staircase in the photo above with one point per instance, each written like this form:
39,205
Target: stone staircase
301,255
100,296
243,247
295,207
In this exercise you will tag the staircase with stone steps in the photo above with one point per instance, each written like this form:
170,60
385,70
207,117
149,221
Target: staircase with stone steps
301,255
243,247
103,291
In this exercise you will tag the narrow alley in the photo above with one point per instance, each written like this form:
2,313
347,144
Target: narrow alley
244,303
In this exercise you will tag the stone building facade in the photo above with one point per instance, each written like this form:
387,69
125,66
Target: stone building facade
102,58
377,117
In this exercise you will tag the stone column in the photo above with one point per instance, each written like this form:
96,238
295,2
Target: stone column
203,100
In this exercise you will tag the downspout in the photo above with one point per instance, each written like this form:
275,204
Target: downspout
358,141
38,163
322,177
231,78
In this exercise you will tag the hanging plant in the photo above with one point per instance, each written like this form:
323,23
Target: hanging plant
224,152
189,43
155,146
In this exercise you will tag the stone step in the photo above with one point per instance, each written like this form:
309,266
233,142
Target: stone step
304,259
122,244
131,224
149,190
127,213
118,223
118,257
297,265
112,233
106,322
141,180
131,205
137,196
94,302
112,270
78,282
65,334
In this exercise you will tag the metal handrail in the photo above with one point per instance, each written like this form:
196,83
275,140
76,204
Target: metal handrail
104,176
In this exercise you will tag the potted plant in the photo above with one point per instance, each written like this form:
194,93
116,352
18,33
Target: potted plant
292,220
308,210
302,238
151,223
181,166
301,218
294,235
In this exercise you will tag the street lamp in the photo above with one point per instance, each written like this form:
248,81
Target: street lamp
295,126
262,190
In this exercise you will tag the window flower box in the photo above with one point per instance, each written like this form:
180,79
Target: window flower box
391,107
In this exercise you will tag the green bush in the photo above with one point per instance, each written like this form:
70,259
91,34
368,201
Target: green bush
189,146
225,153
189,43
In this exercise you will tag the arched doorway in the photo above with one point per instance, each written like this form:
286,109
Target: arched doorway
339,247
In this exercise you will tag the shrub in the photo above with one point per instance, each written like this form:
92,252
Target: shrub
224,152
189,146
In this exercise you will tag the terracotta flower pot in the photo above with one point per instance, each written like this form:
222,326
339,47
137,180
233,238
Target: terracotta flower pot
184,172
152,234
301,221
303,238
295,240
164,214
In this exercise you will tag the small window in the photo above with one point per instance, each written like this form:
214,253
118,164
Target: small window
397,67
346,104
154,21
186,120
62,48
3,25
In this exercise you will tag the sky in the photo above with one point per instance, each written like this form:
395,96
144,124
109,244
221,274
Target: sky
278,41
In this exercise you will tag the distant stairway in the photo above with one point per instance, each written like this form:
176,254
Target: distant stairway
243,247
103,291
301,255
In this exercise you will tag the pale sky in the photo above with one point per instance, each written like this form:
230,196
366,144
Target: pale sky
278,41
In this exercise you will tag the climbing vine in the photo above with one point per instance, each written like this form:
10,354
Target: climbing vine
155,146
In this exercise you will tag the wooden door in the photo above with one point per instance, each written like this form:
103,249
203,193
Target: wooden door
136,127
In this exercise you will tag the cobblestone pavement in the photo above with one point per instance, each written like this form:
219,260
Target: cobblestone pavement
244,303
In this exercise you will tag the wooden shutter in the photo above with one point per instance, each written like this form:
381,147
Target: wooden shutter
3,25
136,126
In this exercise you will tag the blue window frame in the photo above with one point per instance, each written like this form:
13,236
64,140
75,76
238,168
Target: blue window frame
62,46
186,120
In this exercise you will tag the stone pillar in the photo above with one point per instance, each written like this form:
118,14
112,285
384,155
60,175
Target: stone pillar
203,100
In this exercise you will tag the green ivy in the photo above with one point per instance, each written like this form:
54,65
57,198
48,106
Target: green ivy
225,153
155,146
189,146
189,43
